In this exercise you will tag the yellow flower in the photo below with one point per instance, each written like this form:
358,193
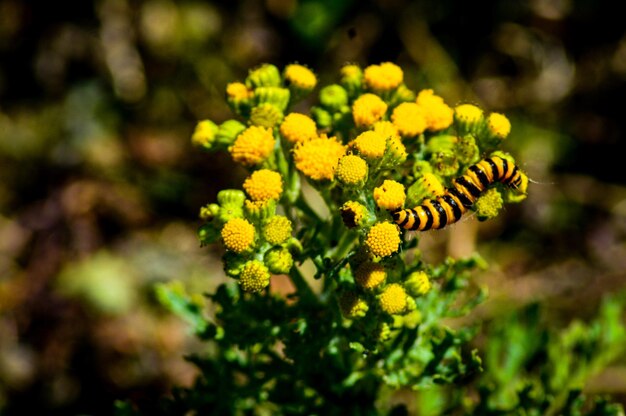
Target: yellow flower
417,283
264,184
386,128
438,115
238,91
468,118
277,230
352,306
393,299
384,77
498,125
238,235
252,146
368,109
204,134
254,276
369,275
353,214
300,77
410,119
390,195
318,158
352,170
370,144
489,204
298,128
383,239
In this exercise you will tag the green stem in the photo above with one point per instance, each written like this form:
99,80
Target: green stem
304,206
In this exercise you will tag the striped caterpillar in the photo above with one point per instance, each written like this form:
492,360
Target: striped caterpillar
449,207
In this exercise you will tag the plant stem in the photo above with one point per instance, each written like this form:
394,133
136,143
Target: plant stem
302,287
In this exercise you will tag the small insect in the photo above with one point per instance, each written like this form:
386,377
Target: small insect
448,208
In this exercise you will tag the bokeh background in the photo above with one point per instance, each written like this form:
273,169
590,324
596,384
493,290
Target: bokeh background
100,187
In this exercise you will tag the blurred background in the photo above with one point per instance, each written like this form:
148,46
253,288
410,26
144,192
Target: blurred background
100,187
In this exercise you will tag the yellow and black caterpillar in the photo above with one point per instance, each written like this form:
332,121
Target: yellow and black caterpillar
449,207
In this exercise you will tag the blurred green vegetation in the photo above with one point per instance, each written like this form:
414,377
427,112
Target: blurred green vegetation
99,186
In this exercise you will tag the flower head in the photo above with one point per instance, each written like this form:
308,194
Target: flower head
390,195
237,91
333,97
489,204
265,115
318,158
354,214
254,276
238,235
298,128
468,118
352,170
253,146
204,134
352,306
266,75
393,299
498,126
277,230
279,260
386,128
264,184
410,119
438,115
417,283
370,275
370,144
351,79
300,77
368,109
384,77
383,239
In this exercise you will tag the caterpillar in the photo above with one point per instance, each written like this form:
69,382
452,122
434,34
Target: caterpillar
449,207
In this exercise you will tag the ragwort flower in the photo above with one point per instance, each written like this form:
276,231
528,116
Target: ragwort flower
383,239
298,128
264,184
253,146
393,299
317,159
238,235
368,109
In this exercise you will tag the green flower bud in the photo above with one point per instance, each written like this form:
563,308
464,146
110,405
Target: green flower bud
417,284
231,197
266,75
412,319
265,115
294,245
208,212
228,132
277,96
333,97
204,134
322,118
239,98
352,80
468,119
489,204
258,211
467,150
402,94
279,260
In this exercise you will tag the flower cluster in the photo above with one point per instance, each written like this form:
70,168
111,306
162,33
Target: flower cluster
370,147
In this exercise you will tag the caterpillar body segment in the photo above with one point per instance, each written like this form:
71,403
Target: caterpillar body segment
448,208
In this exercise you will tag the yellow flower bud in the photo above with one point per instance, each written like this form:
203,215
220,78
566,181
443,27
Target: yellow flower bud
318,158
298,128
254,277
264,184
410,119
370,275
253,146
384,77
352,171
277,230
279,260
368,109
370,144
352,306
417,283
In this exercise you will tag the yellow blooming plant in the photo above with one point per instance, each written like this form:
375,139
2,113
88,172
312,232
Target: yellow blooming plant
370,146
